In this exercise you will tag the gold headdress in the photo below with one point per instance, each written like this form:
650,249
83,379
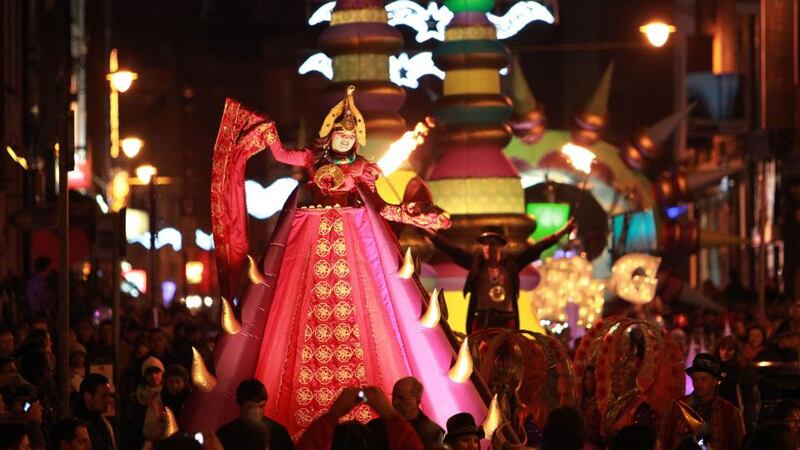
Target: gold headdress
351,118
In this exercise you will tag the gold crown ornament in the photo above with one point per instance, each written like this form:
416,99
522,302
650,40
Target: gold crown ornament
351,118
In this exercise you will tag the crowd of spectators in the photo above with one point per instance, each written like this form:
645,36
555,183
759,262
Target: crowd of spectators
155,363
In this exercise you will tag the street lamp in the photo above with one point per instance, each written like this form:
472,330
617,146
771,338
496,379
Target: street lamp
117,191
131,146
146,173
657,33
194,272
120,81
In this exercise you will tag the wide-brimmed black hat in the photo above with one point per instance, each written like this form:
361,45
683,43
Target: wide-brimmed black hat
462,424
492,233
705,362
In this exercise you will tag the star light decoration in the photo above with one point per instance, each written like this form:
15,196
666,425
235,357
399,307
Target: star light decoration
404,70
518,17
318,62
430,23
564,281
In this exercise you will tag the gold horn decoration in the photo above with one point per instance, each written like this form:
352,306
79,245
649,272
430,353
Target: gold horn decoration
352,120
333,114
361,128
171,424
433,314
253,272
407,269
493,418
201,377
230,324
691,417
462,369
512,442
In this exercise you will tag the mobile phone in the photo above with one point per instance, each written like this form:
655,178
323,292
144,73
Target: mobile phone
26,407
199,438
362,395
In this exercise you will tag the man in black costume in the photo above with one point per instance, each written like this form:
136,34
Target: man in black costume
493,279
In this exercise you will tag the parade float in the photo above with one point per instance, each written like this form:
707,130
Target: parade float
497,164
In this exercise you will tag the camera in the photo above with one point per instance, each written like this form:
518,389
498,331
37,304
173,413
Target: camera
26,407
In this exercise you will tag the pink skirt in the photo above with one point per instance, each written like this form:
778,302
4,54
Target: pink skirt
341,316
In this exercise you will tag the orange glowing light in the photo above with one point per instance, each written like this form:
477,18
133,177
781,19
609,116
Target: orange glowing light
657,33
402,148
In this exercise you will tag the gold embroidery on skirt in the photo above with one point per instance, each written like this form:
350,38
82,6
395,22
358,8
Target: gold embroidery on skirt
326,364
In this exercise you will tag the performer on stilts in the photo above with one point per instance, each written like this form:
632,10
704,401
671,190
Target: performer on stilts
328,308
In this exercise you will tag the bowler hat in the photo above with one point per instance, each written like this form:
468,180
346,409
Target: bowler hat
705,362
491,233
462,424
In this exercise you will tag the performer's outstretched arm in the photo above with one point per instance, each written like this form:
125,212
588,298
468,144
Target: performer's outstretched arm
293,157
419,212
459,256
534,252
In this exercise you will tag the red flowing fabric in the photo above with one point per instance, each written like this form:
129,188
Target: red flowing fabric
240,136
242,133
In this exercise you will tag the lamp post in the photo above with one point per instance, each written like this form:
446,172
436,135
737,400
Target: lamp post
147,175
120,81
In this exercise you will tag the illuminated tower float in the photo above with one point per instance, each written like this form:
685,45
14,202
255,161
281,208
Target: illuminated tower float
359,42
473,180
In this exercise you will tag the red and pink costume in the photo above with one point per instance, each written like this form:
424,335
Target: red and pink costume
333,311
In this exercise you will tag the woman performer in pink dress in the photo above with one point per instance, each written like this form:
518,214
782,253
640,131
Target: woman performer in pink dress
332,310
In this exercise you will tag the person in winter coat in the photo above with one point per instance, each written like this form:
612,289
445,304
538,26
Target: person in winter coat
146,414
177,388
